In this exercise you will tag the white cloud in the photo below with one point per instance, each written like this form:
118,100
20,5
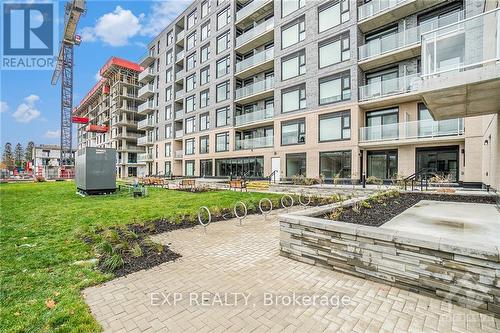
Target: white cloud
52,134
97,76
161,14
4,107
27,111
115,28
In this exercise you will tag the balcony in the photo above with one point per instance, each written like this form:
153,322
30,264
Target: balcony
178,154
179,57
124,122
179,76
402,45
146,75
179,115
128,108
180,37
253,11
145,157
255,91
254,143
147,59
145,140
260,34
259,62
461,67
147,91
179,94
377,13
258,117
412,132
146,107
147,123
179,134
384,93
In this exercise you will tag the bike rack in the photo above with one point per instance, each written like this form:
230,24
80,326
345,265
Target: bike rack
283,201
242,217
307,196
200,217
265,212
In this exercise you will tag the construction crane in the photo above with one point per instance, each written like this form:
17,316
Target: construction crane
64,69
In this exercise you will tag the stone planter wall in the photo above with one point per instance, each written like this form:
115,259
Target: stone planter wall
467,274
325,190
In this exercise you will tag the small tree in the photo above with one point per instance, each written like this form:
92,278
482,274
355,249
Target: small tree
28,153
7,157
19,156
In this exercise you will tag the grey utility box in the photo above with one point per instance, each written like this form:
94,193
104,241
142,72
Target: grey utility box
96,170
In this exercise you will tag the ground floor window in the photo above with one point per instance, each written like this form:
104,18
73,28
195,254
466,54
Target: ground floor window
237,167
206,167
335,164
440,161
168,168
189,168
132,171
295,164
382,164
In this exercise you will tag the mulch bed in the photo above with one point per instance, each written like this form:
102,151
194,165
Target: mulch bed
383,210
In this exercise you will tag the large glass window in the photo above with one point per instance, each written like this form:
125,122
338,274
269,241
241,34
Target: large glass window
382,124
293,65
168,75
332,14
293,132
191,41
169,57
293,98
168,112
251,167
223,66
381,83
222,142
191,61
191,103
223,42
204,53
204,98
335,164
289,6
222,117
191,19
296,165
293,32
168,149
191,82
204,121
189,146
204,144
190,127
170,37
382,164
189,168
205,31
334,50
205,8
442,161
223,18
205,75
168,93
206,168
223,91
335,126
335,88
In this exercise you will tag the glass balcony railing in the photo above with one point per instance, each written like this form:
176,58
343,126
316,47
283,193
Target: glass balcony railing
254,60
179,134
179,56
148,122
147,58
179,153
179,94
147,90
179,75
147,72
144,140
407,37
144,157
258,30
255,88
146,106
179,114
262,142
412,130
250,8
375,7
467,44
180,35
254,116
381,89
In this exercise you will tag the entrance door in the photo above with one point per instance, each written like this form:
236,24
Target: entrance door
382,164
442,161
276,168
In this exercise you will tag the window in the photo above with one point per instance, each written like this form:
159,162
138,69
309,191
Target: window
205,53
191,41
189,128
191,20
189,168
170,38
334,50
204,144
335,88
382,124
191,103
293,132
223,66
223,42
204,98
332,14
204,75
168,150
191,82
205,31
293,99
191,61
204,121
383,164
205,8
222,117
295,164
206,168
169,57
248,166
293,65
168,75
335,164
223,18
289,6
293,32
168,112
168,131
223,91
168,94
335,126
189,150
222,142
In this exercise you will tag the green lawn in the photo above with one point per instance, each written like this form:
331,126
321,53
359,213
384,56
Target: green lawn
39,228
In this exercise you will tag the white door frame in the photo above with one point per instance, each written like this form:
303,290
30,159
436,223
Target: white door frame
276,166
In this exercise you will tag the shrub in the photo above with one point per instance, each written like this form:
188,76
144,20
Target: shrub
136,250
39,179
374,180
104,248
113,262
335,215
303,180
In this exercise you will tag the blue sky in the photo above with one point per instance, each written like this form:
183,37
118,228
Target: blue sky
30,105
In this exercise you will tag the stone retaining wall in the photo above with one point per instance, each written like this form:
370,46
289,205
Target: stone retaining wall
325,190
467,274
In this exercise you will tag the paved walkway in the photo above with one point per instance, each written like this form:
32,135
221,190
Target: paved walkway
232,279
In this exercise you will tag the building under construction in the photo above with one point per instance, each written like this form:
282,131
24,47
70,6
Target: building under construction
107,116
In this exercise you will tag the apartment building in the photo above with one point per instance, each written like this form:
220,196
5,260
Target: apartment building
338,88
109,116
46,160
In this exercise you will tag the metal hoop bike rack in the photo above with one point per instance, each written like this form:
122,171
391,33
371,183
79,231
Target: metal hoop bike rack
283,201
265,212
304,196
200,217
245,210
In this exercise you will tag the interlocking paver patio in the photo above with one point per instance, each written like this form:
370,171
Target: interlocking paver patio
229,258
